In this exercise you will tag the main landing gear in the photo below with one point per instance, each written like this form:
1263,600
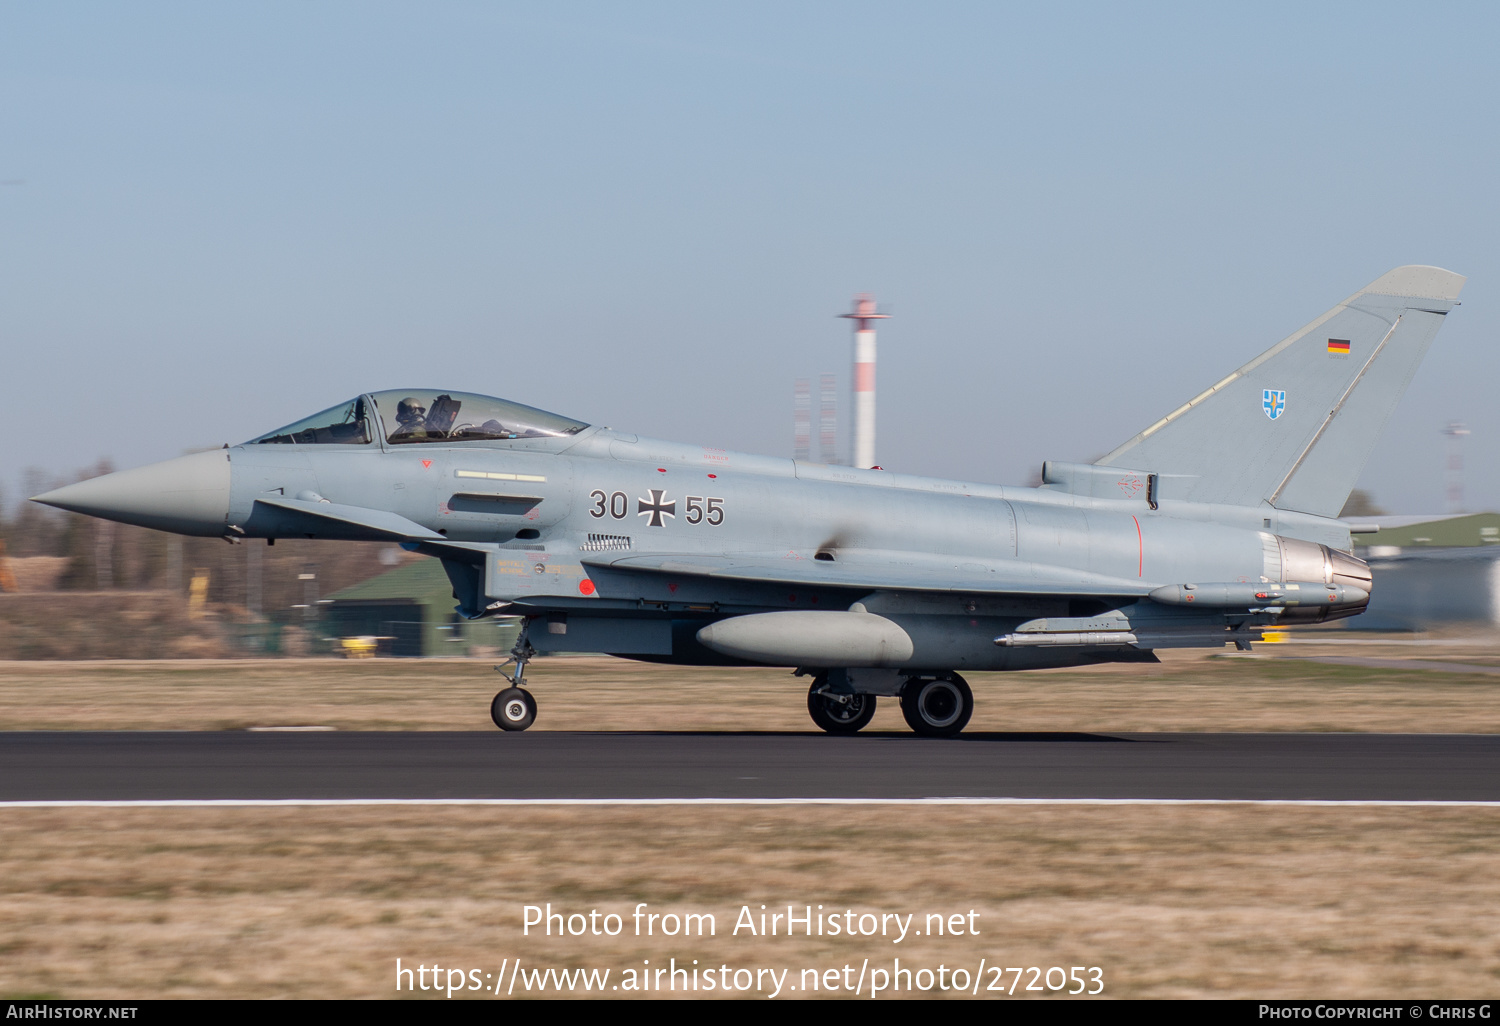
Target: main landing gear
932,706
937,706
514,708
838,714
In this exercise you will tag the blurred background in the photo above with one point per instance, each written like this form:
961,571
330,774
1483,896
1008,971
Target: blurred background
221,218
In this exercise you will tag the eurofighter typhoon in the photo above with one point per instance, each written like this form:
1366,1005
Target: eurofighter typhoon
1214,524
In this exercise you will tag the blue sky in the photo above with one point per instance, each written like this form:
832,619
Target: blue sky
218,218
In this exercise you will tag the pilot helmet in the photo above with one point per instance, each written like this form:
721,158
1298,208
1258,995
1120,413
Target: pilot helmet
410,409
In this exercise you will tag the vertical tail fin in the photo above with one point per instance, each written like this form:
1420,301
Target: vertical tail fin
1294,427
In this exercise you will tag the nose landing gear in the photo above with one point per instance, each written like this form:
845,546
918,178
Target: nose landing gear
514,708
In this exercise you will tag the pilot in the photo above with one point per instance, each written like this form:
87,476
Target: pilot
411,418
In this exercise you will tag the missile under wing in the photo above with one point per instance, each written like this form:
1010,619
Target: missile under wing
1215,523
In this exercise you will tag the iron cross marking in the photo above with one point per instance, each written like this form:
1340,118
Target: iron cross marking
656,508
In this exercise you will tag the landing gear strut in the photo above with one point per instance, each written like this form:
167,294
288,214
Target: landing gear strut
937,706
514,708
836,713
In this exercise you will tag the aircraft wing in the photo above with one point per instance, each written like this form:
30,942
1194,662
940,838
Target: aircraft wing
883,571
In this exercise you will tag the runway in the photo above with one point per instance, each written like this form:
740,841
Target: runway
602,766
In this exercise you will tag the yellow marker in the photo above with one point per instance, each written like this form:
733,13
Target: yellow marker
198,594
1273,637
358,648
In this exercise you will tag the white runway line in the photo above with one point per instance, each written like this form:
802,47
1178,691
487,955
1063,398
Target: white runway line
237,803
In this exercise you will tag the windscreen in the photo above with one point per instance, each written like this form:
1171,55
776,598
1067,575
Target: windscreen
425,415
347,424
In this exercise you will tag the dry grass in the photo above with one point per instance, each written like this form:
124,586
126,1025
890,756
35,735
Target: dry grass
1170,902
1188,692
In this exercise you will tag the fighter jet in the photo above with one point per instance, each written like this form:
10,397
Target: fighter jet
1214,524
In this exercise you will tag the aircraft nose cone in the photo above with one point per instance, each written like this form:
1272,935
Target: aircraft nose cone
186,495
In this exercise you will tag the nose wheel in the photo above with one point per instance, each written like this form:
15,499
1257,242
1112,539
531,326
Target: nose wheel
513,709
937,706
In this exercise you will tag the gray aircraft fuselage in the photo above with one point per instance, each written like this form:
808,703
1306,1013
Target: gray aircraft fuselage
565,527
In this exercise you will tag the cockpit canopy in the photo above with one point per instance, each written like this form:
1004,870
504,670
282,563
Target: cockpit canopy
423,415
417,416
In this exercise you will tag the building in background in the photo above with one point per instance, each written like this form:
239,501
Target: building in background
410,612
828,420
1431,572
802,420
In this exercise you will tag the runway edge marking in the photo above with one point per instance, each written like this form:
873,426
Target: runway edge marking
209,803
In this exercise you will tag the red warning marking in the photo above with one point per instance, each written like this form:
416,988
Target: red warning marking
426,464
586,586
661,470
672,587
713,475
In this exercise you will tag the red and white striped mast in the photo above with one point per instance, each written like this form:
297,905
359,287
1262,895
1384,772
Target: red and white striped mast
864,316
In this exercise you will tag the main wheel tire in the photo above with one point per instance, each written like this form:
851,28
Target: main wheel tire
836,717
513,709
937,706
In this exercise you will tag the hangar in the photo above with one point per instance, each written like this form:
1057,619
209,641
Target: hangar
409,611
1432,570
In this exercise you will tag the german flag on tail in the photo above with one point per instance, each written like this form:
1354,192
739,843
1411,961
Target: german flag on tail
1338,347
